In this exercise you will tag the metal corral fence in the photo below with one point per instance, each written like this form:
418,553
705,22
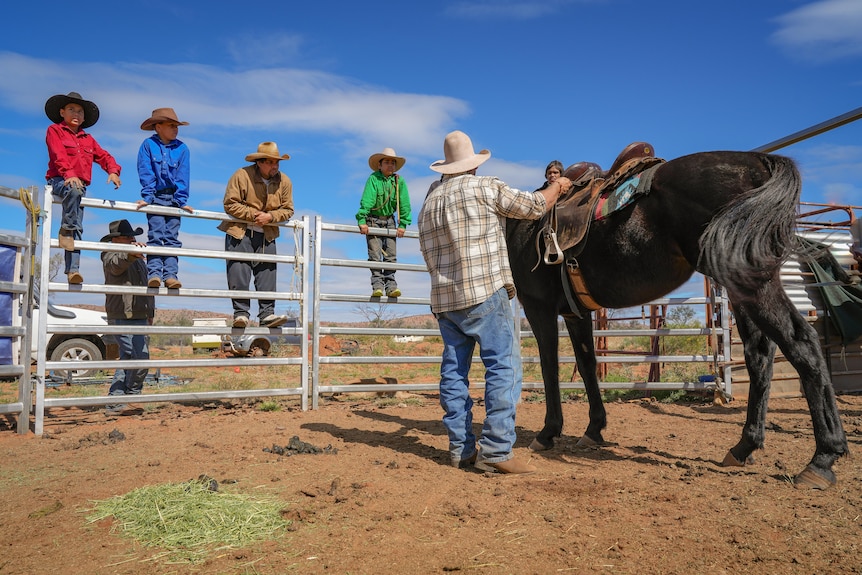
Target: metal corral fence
310,272
717,334
297,229
16,253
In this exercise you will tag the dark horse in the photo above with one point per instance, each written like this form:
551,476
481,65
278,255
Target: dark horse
728,215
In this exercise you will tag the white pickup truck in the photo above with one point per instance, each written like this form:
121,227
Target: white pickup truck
240,344
70,346
203,340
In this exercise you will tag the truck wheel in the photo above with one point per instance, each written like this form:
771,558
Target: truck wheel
77,349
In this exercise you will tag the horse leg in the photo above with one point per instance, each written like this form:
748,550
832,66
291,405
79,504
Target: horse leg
759,352
798,341
543,322
581,333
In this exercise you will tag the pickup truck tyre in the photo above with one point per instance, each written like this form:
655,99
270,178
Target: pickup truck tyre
77,349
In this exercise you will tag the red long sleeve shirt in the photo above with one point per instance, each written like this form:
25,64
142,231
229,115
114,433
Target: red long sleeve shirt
71,154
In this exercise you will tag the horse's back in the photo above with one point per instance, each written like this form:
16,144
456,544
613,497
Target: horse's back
652,247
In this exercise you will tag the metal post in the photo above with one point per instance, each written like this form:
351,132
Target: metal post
835,122
315,342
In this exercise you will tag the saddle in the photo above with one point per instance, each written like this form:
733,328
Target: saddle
565,225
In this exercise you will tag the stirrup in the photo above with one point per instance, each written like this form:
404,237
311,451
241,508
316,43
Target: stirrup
553,253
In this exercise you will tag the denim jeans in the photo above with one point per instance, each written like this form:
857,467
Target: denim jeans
73,217
163,231
382,249
239,272
491,325
132,346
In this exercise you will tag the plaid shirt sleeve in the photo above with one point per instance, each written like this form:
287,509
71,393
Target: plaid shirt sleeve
461,233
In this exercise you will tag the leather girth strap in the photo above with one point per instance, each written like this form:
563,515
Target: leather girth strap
579,287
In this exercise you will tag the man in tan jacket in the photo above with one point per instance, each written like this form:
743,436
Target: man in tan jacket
259,196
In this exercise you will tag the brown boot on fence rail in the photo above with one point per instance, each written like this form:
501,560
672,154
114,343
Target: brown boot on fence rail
66,239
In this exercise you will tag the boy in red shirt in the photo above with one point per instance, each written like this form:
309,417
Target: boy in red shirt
71,153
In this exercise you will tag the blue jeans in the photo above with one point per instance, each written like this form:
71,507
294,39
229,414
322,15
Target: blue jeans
132,346
73,217
163,231
490,324
381,249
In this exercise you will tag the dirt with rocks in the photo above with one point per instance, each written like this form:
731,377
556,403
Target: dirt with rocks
368,489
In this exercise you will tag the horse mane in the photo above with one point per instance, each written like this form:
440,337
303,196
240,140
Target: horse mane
748,240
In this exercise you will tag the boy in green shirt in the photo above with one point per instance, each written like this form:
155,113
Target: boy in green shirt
384,199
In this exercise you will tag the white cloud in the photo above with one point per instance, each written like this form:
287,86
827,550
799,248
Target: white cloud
254,50
822,31
506,9
286,99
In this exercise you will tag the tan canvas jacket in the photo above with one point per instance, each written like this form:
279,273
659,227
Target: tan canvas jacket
247,194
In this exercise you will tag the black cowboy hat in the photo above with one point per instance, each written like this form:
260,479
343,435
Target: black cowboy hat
119,228
60,101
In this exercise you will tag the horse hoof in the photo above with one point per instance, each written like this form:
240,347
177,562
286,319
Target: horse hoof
811,479
731,461
537,445
585,441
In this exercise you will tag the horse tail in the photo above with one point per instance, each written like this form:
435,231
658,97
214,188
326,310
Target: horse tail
749,239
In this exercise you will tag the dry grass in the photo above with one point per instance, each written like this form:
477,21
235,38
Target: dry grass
190,520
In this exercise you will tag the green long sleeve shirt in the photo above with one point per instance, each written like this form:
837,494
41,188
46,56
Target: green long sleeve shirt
381,199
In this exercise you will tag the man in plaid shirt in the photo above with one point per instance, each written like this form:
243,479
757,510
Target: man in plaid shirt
461,235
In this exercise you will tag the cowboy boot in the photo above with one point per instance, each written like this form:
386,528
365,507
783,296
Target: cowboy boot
66,240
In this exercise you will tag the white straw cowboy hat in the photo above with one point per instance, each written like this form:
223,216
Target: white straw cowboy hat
266,150
374,159
161,115
460,157
60,101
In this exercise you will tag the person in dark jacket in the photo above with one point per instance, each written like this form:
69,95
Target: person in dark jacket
127,268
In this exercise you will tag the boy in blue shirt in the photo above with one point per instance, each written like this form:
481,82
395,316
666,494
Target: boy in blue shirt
163,168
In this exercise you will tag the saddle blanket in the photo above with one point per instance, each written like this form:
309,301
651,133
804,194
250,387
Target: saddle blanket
618,198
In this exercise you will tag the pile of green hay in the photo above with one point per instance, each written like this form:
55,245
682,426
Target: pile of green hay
191,519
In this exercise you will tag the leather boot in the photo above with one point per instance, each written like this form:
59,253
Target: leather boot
509,466
467,461
66,240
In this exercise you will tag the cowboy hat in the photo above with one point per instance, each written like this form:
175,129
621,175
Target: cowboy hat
266,150
374,159
161,115
119,228
460,157
60,101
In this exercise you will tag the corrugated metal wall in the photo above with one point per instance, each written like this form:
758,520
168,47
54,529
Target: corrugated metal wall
845,364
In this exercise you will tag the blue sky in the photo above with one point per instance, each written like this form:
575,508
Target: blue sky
334,82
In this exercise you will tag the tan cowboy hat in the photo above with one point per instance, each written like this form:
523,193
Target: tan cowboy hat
119,228
161,115
460,157
374,159
60,101
266,150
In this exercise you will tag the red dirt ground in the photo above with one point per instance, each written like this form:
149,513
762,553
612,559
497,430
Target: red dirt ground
652,501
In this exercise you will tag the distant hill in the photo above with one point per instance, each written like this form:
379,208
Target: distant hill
185,317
